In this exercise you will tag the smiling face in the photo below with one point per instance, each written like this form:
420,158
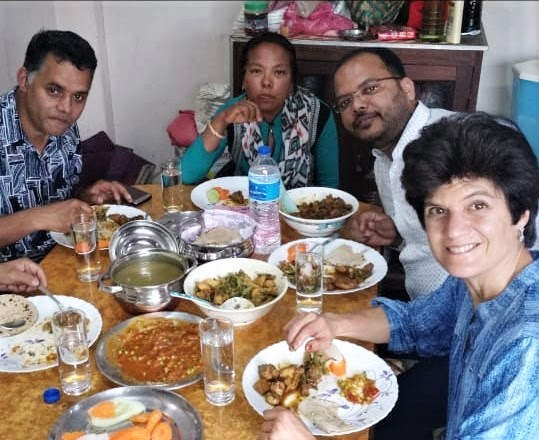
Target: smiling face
379,109
50,100
471,232
268,78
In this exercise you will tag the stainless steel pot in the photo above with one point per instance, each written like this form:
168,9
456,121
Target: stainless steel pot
145,298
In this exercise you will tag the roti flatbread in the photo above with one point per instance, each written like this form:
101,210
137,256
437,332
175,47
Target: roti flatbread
323,414
14,307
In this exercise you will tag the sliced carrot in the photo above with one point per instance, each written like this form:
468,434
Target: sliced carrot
72,435
162,431
141,418
298,247
155,417
223,192
132,433
103,410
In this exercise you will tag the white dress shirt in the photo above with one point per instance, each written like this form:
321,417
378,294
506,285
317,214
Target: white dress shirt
423,274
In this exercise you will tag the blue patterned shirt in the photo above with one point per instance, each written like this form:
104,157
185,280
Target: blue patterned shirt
29,179
493,353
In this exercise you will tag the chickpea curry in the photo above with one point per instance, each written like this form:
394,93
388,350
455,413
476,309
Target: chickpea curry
156,350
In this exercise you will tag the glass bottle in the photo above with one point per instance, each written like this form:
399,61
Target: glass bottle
433,22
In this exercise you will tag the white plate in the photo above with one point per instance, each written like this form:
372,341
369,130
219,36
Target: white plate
40,342
358,359
235,183
129,211
378,273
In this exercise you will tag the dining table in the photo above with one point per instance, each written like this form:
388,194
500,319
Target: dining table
25,416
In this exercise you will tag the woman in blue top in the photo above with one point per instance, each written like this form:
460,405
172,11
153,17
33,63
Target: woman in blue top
273,111
474,183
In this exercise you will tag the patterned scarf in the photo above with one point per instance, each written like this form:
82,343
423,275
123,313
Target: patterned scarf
299,118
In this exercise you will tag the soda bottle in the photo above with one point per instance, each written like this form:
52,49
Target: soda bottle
264,189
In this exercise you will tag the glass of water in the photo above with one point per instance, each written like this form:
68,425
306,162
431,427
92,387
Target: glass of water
69,330
84,234
309,280
217,346
171,181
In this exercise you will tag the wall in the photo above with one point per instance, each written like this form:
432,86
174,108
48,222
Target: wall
153,57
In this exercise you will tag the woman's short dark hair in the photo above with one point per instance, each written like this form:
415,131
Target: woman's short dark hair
273,38
476,145
64,45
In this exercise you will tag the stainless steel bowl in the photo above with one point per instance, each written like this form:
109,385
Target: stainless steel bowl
175,221
354,34
139,235
146,297
193,228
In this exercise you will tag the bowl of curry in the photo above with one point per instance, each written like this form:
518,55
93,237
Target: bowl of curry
160,349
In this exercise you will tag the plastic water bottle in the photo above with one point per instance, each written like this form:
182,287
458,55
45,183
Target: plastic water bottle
264,189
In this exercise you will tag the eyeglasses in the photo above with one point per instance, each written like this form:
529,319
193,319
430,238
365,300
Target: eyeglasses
369,88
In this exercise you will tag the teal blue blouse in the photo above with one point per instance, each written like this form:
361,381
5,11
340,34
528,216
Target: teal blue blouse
197,161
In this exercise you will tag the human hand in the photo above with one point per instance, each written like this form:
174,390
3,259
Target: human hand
58,216
373,228
21,275
322,328
106,191
281,423
239,113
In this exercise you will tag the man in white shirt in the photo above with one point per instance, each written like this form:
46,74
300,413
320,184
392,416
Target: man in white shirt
377,105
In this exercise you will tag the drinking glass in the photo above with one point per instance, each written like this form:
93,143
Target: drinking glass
309,280
84,235
217,346
69,330
171,181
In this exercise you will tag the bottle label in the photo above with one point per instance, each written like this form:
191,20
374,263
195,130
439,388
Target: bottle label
264,192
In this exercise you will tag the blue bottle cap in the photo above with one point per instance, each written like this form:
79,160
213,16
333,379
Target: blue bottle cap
51,395
264,150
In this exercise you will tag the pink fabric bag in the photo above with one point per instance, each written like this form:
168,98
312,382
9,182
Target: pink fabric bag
182,131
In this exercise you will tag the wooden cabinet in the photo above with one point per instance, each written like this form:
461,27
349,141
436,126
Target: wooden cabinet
445,76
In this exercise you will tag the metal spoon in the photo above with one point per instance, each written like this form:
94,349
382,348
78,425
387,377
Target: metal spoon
326,241
234,303
47,292
15,323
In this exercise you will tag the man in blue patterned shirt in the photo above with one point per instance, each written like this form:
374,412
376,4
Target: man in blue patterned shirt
40,157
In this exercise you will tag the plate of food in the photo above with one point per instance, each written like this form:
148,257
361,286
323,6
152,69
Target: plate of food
223,192
34,348
348,265
160,349
109,218
127,412
341,390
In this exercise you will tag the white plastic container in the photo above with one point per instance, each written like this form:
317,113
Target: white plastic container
525,102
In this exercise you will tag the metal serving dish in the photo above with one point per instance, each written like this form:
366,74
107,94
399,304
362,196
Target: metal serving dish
212,218
354,34
145,265
138,235
175,221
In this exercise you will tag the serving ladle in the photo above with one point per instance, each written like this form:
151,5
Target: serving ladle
234,303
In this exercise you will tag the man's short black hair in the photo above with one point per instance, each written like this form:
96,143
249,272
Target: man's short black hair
475,145
64,45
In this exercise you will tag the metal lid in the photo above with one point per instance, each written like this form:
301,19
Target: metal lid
175,221
138,235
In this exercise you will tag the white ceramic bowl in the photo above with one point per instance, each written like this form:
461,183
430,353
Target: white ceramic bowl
318,228
225,266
